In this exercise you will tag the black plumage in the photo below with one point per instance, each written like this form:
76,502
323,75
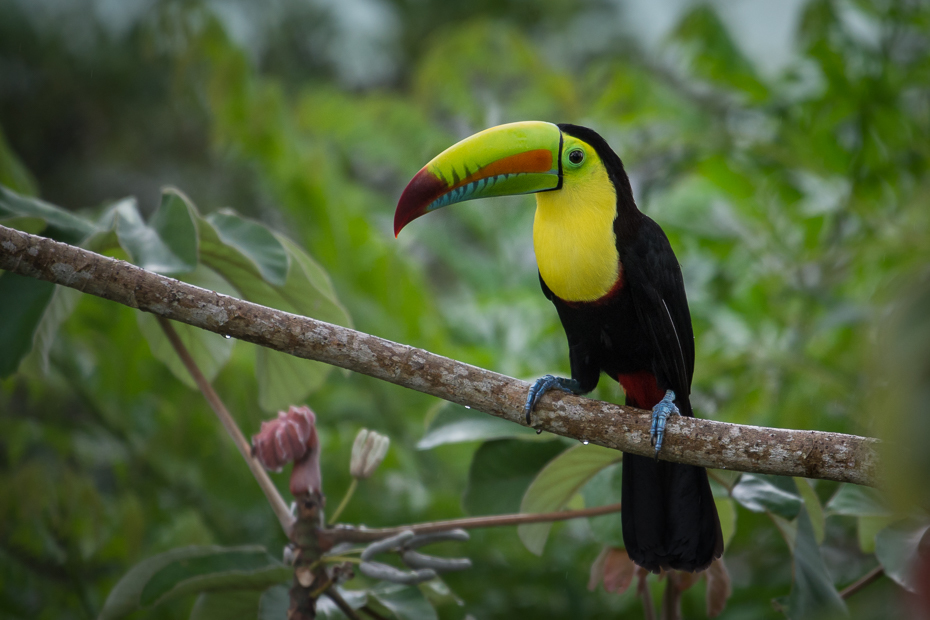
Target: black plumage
640,334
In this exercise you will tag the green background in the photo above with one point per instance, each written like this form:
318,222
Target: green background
783,147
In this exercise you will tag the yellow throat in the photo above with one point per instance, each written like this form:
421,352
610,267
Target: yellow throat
573,235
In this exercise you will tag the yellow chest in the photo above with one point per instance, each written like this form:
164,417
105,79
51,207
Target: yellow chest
574,240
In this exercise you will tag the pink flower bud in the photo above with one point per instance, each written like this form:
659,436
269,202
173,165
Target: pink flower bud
286,439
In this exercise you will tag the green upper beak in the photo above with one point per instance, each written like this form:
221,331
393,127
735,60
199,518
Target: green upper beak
517,158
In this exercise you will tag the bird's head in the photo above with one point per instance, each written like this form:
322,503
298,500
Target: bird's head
517,158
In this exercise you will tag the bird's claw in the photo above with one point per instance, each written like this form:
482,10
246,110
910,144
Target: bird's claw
660,413
543,385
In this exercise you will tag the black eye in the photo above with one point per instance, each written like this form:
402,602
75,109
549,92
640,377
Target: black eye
576,156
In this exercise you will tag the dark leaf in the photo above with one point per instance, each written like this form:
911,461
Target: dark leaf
19,321
227,605
896,549
813,594
190,570
858,501
66,226
500,472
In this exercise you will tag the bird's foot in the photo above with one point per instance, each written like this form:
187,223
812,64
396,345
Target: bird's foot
660,414
543,385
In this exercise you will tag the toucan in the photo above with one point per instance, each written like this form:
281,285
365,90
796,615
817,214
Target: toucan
617,287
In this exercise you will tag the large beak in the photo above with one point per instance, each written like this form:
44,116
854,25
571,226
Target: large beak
518,158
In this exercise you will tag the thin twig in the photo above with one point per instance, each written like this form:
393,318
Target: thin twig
868,578
268,488
352,534
341,603
705,443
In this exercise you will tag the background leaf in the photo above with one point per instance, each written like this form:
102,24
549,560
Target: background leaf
605,488
896,549
19,321
188,570
814,509
144,244
227,605
556,484
456,424
759,495
405,602
813,594
500,472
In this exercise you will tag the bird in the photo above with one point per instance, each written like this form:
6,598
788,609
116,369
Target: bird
617,287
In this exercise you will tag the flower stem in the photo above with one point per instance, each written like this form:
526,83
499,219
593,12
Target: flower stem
264,482
345,501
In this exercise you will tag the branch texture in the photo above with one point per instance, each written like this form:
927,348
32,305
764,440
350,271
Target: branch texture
811,454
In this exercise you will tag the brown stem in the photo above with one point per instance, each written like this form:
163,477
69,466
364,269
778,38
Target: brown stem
374,614
671,600
649,610
267,486
785,452
868,578
352,534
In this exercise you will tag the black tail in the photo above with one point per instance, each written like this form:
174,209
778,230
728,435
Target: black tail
669,516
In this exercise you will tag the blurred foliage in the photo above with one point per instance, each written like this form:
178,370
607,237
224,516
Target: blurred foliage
796,201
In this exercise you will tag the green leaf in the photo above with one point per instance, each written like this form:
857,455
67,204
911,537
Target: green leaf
210,351
760,495
174,223
189,570
438,593
66,226
556,484
868,527
13,173
254,241
787,529
144,244
282,379
326,609
814,509
19,321
603,489
59,308
726,510
31,225
274,603
227,605
896,549
858,501
813,594
405,602
500,472
456,424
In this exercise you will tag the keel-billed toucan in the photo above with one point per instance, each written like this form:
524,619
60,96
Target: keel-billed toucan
617,286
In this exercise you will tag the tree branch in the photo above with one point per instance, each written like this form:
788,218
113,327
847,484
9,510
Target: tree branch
348,533
811,454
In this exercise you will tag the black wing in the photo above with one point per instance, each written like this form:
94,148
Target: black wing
654,276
